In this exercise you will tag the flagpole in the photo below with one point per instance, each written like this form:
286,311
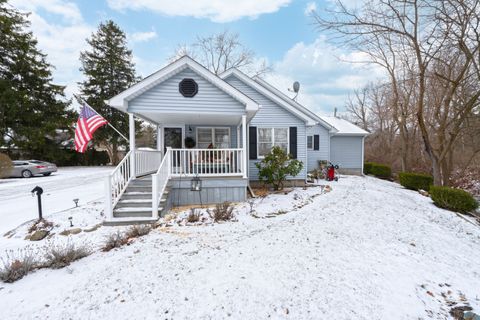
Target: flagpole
84,102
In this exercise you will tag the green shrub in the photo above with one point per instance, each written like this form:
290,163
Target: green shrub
453,199
381,170
276,166
367,167
415,181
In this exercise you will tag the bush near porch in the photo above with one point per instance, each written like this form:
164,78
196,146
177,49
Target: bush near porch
276,166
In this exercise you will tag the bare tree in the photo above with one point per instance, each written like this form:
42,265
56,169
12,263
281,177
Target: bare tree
419,38
222,51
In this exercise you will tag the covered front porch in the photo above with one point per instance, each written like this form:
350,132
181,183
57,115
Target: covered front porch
201,133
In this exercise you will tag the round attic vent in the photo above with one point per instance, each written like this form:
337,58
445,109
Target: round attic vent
188,87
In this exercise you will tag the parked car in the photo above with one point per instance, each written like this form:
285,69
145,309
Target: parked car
29,168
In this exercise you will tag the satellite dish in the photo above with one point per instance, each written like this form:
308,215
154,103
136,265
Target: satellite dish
296,86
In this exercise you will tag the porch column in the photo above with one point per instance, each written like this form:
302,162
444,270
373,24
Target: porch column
131,125
159,137
244,145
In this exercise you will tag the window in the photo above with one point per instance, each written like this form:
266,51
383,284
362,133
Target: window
309,142
215,137
269,137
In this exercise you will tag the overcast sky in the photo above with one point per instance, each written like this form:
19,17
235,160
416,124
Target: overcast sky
280,31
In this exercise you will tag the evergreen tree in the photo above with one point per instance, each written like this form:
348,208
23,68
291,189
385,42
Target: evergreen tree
109,70
31,108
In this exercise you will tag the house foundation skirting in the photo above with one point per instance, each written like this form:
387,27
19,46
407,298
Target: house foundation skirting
214,190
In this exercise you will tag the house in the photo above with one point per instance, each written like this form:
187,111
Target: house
211,130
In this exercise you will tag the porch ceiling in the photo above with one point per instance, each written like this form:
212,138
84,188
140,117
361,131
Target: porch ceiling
194,118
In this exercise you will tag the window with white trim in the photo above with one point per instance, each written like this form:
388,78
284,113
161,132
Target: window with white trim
269,137
213,137
310,142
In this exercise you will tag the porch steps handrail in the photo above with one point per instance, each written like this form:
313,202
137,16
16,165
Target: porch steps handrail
159,182
116,183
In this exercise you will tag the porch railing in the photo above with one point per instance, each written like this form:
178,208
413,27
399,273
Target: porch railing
206,162
147,161
160,181
117,182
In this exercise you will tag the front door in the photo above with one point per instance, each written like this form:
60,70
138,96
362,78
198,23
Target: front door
173,138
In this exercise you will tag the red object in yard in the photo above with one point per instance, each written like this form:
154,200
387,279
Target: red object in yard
331,172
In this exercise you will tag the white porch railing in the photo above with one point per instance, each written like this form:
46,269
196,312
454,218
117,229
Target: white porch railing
207,162
160,181
147,161
117,182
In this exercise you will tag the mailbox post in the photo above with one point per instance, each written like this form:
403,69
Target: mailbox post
38,190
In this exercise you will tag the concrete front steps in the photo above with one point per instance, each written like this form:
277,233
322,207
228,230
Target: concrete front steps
135,205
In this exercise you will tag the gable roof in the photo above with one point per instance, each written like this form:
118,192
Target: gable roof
345,127
293,102
120,101
310,119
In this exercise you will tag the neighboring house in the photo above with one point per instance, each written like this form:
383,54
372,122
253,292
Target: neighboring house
214,129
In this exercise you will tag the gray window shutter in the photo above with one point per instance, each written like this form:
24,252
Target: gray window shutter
293,142
316,142
252,143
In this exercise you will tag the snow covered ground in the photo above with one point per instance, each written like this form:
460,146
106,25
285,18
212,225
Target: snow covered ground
368,249
17,204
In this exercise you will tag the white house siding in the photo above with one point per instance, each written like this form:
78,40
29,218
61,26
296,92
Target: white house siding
166,97
272,115
314,156
346,151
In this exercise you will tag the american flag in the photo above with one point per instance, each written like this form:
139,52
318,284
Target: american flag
87,123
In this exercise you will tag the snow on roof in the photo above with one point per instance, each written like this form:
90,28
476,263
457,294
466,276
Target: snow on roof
344,127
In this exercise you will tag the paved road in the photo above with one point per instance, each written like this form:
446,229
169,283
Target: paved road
17,204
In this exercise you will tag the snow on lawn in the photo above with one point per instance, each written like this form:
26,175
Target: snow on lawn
366,250
17,204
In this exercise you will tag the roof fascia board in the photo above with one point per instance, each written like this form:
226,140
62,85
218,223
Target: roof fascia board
293,103
275,98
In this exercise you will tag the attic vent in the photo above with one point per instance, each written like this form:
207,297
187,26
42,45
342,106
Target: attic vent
188,87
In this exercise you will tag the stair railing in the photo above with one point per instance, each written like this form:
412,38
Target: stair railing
160,181
117,182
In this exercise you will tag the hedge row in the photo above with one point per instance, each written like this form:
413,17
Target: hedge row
415,181
378,170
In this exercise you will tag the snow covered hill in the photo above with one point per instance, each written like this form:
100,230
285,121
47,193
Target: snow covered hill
368,249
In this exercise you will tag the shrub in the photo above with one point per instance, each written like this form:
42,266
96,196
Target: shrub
17,264
61,255
381,170
367,167
138,231
115,240
453,199
415,181
276,166
221,212
6,166
193,216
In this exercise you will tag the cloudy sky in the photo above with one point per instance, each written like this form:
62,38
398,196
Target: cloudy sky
279,31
